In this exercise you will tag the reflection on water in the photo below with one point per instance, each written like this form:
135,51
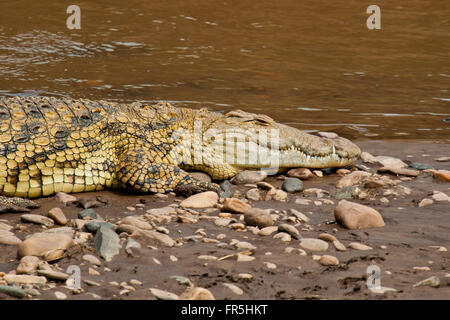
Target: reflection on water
312,66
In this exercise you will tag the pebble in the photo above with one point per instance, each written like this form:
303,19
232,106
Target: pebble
235,205
137,222
93,272
235,289
442,159
38,219
237,226
161,211
91,283
53,275
318,173
65,198
292,185
327,260
313,244
24,279
253,194
359,246
425,202
92,259
400,171
300,173
433,282
244,245
258,217
270,265
327,237
107,243
422,268
440,196
206,199
351,179
357,216
264,186
197,293
276,194
28,265
40,243
299,215
381,290
289,229
285,237
89,213
302,201
8,238
13,291
58,216
226,190
267,231
222,222
60,296
249,176
339,246
244,258
154,238
163,295
207,257
135,282
319,193
420,166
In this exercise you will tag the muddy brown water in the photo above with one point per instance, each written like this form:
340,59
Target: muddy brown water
312,65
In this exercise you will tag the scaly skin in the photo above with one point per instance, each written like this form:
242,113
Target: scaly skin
49,145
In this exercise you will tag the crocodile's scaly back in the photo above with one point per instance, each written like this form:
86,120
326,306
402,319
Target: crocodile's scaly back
49,145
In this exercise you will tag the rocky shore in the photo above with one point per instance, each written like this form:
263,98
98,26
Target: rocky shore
305,234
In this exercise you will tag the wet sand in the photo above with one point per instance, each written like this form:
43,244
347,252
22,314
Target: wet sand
408,237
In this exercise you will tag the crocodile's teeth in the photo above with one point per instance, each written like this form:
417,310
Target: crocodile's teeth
334,149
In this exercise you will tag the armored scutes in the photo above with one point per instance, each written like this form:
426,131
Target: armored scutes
49,145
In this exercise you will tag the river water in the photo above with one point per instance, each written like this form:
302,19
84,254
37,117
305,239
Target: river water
311,64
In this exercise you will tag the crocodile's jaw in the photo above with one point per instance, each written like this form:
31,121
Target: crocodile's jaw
267,144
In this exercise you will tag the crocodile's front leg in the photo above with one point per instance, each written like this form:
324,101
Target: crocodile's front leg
136,171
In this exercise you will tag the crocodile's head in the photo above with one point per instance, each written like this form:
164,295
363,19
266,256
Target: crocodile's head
239,140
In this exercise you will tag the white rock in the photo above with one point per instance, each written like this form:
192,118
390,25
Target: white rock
359,246
60,296
234,289
313,244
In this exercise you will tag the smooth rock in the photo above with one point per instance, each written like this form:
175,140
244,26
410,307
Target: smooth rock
53,275
163,295
58,216
39,244
442,159
400,171
201,200
420,166
425,202
359,246
24,279
107,243
276,194
28,265
244,258
222,222
93,225
385,161
161,211
270,265
327,260
292,185
135,221
248,176
299,215
313,244
433,282
300,173
339,246
440,196
289,229
283,236
235,289
267,231
226,190
5,227
153,238
92,259
264,186
13,291
9,238
357,216
235,205
381,290
38,219
351,179
258,217
253,194
60,296
65,198
196,293
327,237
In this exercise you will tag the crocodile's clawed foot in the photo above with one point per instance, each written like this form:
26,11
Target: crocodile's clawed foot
15,204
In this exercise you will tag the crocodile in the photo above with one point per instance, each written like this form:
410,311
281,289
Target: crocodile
49,144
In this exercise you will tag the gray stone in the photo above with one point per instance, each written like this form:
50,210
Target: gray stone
153,237
107,243
13,291
258,218
289,229
346,193
89,213
226,190
93,226
292,185
38,219
420,166
313,244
